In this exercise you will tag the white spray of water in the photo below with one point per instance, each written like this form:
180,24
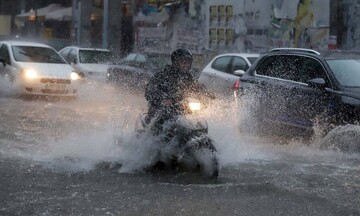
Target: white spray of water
138,153
108,135
79,152
345,137
6,87
233,147
227,120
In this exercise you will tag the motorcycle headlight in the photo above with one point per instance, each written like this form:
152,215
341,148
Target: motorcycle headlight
74,76
194,106
30,74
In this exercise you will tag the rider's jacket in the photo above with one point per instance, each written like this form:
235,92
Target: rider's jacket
169,84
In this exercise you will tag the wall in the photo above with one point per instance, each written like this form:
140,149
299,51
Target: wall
258,16
224,24
350,25
5,25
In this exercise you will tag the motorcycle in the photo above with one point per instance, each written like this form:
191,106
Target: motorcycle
184,142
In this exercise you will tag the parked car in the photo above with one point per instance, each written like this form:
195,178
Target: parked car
220,74
90,63
37,68
301,90
135,69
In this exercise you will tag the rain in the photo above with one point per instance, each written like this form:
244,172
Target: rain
81,154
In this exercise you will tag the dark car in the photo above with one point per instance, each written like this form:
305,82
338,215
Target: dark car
293,90
135,69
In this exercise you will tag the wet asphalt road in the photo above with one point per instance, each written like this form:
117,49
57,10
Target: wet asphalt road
55,159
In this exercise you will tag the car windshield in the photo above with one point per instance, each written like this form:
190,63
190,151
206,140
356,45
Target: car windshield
159,61
346,71
94,56
252,59
151,60
36,54
130,57
135,60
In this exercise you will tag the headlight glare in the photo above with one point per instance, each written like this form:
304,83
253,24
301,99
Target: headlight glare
30,74
74,76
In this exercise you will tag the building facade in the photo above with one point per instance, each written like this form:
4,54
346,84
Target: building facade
204,26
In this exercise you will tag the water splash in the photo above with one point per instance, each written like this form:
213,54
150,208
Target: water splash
342,138
99,127
7,88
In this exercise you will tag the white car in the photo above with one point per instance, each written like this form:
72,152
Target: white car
224,70
37,69
89,63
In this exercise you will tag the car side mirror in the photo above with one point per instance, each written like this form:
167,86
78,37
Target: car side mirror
239,72
74,61
318,83
3,60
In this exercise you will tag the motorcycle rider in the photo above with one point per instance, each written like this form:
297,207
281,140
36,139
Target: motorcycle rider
168,87
165,93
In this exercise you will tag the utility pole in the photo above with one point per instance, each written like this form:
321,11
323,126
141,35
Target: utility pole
85,10
36,20
337,25
78,29
22,10
22,6
105,24
114,29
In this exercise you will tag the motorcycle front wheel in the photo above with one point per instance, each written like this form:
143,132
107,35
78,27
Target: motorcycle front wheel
204,153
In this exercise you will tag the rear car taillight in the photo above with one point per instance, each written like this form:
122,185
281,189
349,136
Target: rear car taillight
236,87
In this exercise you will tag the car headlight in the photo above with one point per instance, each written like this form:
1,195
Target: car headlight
30,74
74,76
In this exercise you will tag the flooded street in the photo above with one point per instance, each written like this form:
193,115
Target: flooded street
61,157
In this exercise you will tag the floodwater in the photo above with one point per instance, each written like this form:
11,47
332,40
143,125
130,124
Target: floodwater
61,157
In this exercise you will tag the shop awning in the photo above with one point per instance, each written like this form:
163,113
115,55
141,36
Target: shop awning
63,14
40,12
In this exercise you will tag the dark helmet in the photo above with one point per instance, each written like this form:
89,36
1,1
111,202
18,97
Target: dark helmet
180,55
